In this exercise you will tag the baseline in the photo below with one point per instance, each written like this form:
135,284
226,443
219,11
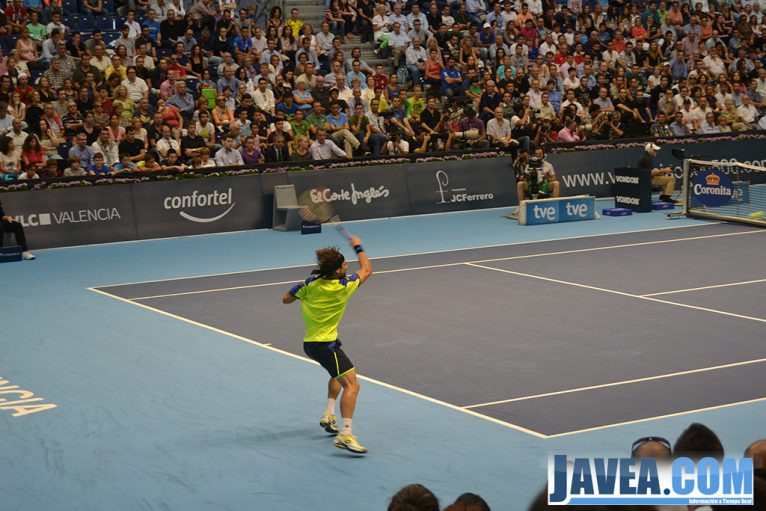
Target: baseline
618,383
444,265
612,291
269,347
703,288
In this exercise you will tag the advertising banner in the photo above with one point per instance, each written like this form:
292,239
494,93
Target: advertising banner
198,206
103,214
633,189
437,187
357,193
552,211
74,216
592,172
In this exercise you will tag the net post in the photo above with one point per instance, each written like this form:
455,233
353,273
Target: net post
685,186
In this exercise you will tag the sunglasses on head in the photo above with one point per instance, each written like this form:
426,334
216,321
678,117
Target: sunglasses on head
641,441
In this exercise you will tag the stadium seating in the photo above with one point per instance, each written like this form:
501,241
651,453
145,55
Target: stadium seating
105,23
70,6
85,23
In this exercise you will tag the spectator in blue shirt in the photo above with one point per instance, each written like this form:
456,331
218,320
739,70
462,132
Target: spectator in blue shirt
82,151
311,54
98,167
339,131
183,101
288,106
451,79
356,72
228,81
242,45
153,25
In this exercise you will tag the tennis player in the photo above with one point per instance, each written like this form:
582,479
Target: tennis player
324,296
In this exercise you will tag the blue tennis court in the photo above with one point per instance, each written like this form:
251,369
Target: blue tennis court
179,378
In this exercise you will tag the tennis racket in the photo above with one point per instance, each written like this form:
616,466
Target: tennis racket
316,206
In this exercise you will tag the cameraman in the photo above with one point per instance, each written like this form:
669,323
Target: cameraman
535,177
396,144
606,126
545,134
538,178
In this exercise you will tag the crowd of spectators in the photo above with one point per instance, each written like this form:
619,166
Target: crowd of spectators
416,497
695,442
178,84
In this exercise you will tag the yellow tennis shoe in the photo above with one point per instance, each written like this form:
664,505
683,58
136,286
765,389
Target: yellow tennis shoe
349,443
328,424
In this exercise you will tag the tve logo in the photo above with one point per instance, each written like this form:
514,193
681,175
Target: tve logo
625,481
574,211
545,213
550,211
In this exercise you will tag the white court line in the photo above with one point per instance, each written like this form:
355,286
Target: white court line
658,417
617,383
413,254
217,290
475,263
268,346
707,287
612,291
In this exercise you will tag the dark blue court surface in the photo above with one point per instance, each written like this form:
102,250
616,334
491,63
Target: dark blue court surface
549,337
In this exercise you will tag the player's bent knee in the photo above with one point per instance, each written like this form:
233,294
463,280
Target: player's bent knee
349,381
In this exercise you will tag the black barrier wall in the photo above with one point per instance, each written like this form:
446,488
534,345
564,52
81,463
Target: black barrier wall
101,214
74,216
473,184
198,206
359,193
592,172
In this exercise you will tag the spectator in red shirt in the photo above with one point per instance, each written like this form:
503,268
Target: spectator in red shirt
24,89
17,16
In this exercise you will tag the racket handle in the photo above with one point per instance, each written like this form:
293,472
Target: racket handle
343,231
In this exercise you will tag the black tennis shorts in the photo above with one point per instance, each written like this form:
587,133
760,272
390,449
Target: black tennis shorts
330,355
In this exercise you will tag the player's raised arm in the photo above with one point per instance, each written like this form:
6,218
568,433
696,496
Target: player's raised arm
292,294
365,266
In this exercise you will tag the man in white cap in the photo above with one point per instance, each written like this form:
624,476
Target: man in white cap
660,175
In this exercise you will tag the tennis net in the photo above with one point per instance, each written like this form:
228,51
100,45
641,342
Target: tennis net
730,191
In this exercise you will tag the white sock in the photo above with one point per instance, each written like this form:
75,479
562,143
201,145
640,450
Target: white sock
346,427
330,409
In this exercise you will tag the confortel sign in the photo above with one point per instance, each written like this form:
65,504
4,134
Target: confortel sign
200,200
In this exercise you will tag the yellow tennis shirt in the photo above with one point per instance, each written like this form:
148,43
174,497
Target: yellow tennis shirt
323,302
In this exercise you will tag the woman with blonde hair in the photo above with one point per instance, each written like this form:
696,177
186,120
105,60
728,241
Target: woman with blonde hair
466,51
301,149
223,116
125,103
17,108
307,32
